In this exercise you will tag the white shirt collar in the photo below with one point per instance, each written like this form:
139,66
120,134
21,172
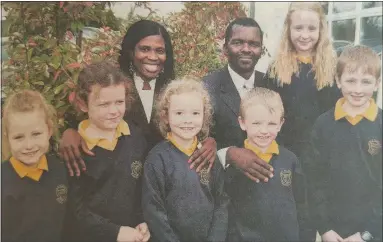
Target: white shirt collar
140,83
146,96
240,82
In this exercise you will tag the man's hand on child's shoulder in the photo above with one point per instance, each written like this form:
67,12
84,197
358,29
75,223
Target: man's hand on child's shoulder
250,164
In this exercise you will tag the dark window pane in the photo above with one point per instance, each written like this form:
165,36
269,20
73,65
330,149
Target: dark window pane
371,32
340,7
344,30
372,4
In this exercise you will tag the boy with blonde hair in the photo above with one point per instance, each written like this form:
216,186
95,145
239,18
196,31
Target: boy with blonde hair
264,211
344,161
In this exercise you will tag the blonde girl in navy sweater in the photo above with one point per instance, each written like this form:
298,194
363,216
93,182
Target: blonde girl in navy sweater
179,203
34,183
303,74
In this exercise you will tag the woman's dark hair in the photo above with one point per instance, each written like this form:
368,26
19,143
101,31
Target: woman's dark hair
138,31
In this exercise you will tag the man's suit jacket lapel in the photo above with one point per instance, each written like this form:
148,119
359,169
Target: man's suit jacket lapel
229,93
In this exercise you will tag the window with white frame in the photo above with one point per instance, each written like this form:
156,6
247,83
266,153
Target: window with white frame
355,23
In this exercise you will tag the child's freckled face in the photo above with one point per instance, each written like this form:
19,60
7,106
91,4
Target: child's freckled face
357,87
304,31
261,125
28,136
185,116
106,106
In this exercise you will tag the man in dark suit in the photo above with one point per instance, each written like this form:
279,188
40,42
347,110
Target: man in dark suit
243,48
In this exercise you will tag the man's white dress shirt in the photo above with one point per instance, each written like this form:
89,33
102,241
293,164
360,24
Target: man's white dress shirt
243,86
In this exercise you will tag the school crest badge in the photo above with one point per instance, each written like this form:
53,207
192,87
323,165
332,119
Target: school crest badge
374,146
136,168
204,176
286,177
61,193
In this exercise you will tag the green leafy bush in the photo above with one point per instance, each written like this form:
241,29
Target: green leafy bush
46,48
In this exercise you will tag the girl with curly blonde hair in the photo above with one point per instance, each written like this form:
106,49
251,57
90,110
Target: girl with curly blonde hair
303,74
180,203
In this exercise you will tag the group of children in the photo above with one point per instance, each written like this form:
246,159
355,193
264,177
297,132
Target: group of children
129,195
343,166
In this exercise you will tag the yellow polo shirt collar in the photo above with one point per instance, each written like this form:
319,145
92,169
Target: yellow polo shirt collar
305,59
34,173
187,151
272,149
371,112
122,129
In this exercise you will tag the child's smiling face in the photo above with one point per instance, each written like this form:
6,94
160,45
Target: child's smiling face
304,31
357,87
185,116
28,136
261,125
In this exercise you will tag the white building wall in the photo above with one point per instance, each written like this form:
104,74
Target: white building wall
270,16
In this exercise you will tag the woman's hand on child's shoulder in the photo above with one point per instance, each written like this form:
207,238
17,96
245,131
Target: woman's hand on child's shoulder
205,155
69,151
128,234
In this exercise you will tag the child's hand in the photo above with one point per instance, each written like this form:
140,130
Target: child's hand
331,236
128,234
144,230
354,238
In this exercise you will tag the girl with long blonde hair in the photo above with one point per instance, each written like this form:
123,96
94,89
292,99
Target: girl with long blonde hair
303,74
303,71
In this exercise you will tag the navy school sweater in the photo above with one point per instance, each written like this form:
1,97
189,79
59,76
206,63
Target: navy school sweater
180,204
108,195
303,104
344,173
266,211
33,210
